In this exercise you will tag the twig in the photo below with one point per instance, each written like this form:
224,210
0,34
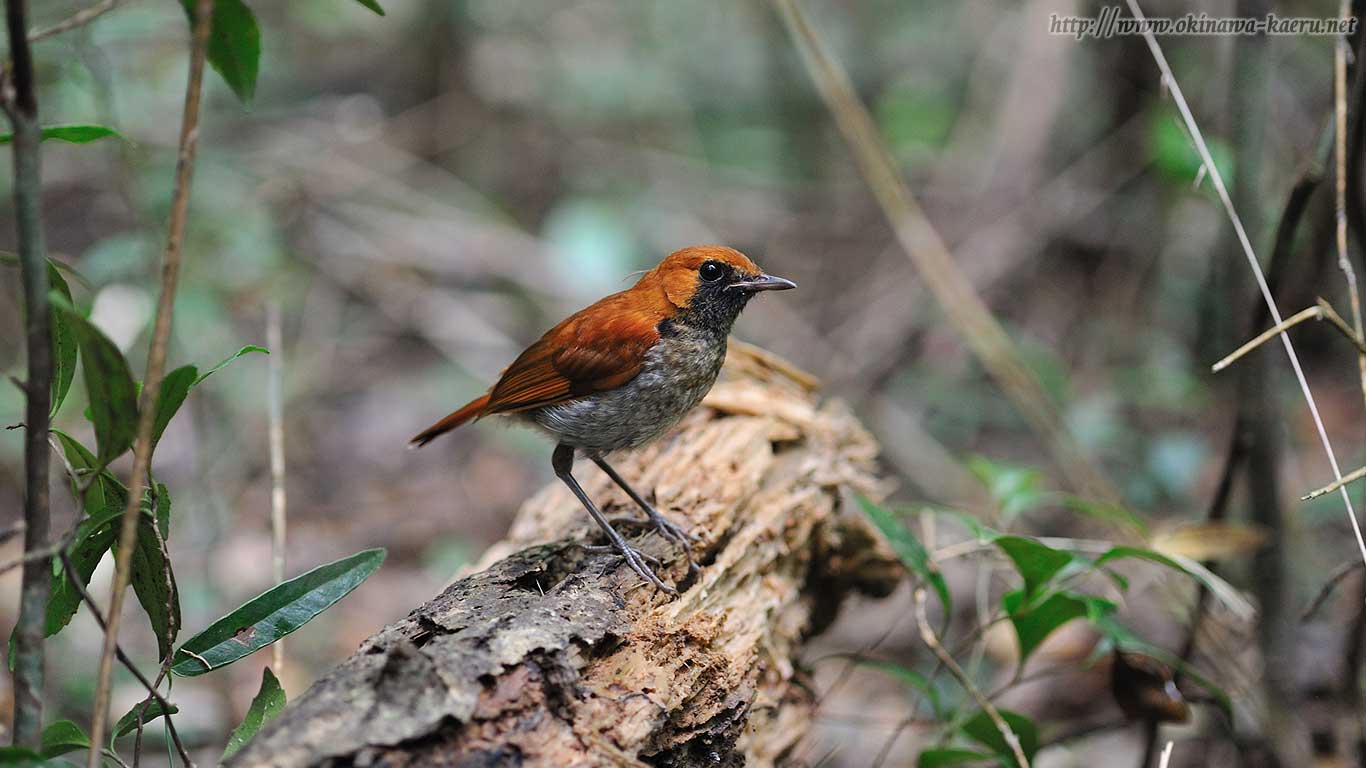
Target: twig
1340,185
77,19
156,363
1217,179
1347,479
123,658
275,396
932,641
936,265
1320,311
1166,755
1334,579
22,105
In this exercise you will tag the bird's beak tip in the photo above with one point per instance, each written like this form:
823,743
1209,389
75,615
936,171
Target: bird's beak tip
765,282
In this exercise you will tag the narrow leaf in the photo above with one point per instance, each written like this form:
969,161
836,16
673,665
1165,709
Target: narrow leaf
981,729
1015,489
234,45
19,757
129,722
910,678
908,548
1037,562
105,490
274,614
174,388
63,736
109,385
248,349
154,584
1217,586
94,536
268,702
75,133
63,342
372,5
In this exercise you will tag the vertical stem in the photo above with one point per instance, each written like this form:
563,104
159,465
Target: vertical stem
156,367
276,397
28,667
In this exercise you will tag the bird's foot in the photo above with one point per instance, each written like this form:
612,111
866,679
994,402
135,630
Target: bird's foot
637,560
669,530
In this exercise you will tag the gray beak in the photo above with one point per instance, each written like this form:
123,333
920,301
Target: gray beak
763,283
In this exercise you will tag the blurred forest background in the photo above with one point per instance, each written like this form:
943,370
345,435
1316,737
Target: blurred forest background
424,194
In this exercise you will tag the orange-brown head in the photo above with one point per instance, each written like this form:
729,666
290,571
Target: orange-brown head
709,268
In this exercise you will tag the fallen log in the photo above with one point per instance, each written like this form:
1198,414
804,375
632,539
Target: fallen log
549,656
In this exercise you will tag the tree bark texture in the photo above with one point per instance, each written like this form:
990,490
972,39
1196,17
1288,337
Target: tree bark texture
551,656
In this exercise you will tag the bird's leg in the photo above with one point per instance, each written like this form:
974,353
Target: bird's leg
666,527
563,461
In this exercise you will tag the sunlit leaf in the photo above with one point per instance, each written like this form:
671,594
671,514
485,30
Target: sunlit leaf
981,729
129,722
1015,489
234,45
109,385
63,736
907,548
267,703
273,614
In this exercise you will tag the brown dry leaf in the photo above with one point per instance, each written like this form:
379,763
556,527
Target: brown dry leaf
1209,541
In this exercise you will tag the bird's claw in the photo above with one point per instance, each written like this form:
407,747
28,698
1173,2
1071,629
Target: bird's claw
669,530
638,561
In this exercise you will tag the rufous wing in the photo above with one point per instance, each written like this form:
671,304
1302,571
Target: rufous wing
599,348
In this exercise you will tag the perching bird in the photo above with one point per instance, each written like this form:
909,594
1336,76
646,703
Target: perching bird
623,371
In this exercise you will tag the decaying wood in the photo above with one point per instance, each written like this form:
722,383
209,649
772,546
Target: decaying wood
549,656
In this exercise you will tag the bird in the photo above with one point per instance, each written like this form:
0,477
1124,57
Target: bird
623,371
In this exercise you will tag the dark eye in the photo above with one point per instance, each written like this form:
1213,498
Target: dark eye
711,271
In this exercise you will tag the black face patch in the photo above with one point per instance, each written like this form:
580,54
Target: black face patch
713,307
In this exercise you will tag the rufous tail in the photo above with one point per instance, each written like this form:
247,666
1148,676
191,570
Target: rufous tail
472,410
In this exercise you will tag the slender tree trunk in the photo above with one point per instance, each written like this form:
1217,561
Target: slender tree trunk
23,111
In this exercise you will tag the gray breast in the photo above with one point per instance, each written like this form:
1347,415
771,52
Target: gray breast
677,373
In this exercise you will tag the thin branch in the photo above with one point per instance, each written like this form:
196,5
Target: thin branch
1347,479
932,641
1340,186
1217,179
1166,755
276,397
936,265
156,363
77,19
1321,310
21,103
1326,591
123,658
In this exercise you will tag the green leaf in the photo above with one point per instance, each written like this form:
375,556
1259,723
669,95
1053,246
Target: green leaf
234,45
19,757
177,385
94,536
1034,623
63,736
934,758
1036,562
105,490
268,702
981,729
154,584
1111,513
1123,638
248,349
1217,586
372,5
174,388
907,547
74,133
274,614
63,342
1015,489
129,722
109,385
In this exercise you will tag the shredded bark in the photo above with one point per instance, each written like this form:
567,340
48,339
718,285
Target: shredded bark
548,656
